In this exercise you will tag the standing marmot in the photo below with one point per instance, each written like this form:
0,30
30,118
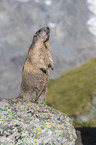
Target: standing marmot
36,68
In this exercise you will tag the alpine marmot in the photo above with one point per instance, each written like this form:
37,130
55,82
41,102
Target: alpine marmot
36,68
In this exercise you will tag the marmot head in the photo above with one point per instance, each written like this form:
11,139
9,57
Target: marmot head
42,34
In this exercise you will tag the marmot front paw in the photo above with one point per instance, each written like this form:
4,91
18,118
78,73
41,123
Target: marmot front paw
44,69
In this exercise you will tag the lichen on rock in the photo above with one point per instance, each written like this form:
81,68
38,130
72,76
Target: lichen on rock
29,123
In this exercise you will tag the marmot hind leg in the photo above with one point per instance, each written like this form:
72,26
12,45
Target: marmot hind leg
42,97
29,96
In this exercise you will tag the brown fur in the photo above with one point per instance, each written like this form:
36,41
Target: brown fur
36,68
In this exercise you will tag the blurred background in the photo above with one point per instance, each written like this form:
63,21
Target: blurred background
72,41
72,86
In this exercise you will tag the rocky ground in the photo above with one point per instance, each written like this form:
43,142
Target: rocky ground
86,136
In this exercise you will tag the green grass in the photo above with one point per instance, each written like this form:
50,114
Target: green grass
85,124
72,93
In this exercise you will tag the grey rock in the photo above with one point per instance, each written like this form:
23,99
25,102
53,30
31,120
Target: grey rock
28,123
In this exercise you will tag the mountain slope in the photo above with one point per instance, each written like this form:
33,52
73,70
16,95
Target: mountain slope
72,92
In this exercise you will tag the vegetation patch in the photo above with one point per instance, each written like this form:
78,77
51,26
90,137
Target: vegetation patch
73,92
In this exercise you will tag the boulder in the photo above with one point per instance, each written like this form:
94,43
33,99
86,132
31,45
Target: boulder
29,123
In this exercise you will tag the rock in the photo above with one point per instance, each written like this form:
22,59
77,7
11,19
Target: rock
91,116
79,138
26,123
86,136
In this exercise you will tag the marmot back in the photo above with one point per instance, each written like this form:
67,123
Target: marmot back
36,68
